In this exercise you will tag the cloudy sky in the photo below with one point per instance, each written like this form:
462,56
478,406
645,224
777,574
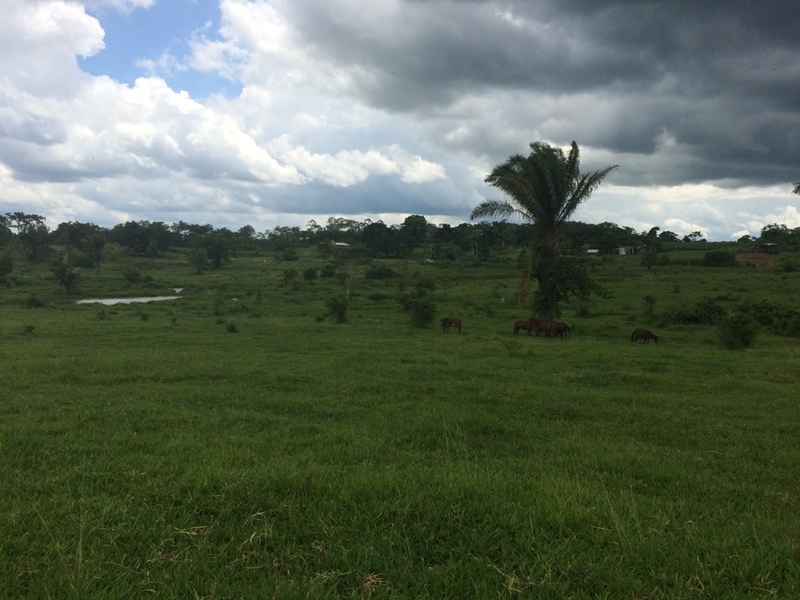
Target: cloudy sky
268,113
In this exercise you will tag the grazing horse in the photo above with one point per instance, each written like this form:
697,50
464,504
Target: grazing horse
643,334
546,329
562,329
447,323
526,325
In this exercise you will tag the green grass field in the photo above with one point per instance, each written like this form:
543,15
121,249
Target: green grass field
236,444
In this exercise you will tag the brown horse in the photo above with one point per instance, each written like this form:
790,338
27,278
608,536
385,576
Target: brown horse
526,325
645,335
546,329
553,329
447,323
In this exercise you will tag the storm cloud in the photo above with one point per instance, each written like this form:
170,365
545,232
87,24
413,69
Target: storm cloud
380,109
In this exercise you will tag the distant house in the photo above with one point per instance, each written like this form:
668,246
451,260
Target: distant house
339,246
593,252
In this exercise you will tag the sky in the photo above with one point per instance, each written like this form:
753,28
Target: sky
275,113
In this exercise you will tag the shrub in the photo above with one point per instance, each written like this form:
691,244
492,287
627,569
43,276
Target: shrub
737,331
310,274
337,308
328,271
704,312
289,275
34,301
780,319
719,258
66,276
6,266
289,253
132,275
419,305
380,272
230,326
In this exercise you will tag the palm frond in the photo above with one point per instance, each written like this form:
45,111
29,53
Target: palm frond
796,189
493,208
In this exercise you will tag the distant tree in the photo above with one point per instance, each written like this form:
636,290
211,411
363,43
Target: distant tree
413,231
93,245
695,236
66,275
217,250
142,237
378,238
6,266
545,188
668,236
197,258
796,189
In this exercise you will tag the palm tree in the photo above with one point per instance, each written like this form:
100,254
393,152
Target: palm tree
545,188
796,189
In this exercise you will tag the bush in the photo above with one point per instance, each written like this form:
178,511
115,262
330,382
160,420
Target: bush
719,258
737,331
419,305
779,319
6,266
704,312
310,274
380,272
289,253
337,308
132,275
34,301
328,271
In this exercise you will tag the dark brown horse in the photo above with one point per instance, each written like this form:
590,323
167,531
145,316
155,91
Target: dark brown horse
447,323
528,325
545,328
553,329
645,335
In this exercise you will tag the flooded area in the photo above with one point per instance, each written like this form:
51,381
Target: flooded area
111,301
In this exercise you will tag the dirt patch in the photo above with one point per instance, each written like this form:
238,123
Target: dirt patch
758,260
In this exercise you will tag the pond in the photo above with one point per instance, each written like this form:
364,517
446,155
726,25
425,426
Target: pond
110,301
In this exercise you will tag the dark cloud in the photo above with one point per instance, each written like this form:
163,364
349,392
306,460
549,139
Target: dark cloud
720,79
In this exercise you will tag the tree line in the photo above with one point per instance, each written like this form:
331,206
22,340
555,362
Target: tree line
30,235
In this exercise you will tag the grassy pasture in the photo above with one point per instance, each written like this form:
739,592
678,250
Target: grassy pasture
233,443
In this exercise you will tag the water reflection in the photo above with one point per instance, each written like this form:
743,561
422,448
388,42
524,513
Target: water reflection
110,301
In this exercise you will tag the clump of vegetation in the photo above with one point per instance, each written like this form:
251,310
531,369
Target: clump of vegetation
650,306
328,271
289,276
703,312
310,274
778,318
418,303
132,275
737,330
719,258
380,272
230,326
289,254
66,275
34,301
6,266
337,308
